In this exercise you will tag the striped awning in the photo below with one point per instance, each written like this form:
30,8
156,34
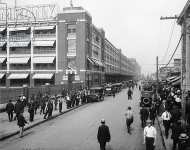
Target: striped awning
43,60
97,62
90,60
43,76
2,59
19,29
44,43
44,28
2,29
2,44
19,60
18,76
19,44
2,75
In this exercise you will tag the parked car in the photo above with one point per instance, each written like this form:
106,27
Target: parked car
108,90
96,94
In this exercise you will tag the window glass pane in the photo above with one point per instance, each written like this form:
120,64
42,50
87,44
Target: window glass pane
71,44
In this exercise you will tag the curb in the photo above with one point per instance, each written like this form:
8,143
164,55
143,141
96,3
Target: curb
163,141
38,123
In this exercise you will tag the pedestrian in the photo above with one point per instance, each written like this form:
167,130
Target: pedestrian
176,130
152,113
143,115
21,123
166,116
129,119
49,109
68,101
129,94
31,111
60,104
19,108
43,106
55,102
149,136
103,135
9,109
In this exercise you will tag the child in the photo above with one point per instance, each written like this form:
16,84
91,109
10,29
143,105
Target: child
21,123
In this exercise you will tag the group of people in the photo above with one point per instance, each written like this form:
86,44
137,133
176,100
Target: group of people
46,104
171,114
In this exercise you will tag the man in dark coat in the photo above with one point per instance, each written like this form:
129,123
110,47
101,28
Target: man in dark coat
49,109
19,108
21,123
9,110
129,94
103,135
152,114
31,111
176,130
143,116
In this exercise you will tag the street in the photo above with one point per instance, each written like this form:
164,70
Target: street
77,130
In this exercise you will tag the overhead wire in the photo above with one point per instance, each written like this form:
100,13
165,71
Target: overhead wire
169,42
174,51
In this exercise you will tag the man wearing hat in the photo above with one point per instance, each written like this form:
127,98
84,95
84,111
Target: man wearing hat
103,135
149,136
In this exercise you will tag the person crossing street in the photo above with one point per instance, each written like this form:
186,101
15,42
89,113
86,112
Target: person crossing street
129,119
103,135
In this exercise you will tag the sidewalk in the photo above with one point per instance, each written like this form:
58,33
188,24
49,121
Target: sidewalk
167,142
8,129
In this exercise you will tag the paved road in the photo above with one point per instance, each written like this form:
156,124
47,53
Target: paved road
77,129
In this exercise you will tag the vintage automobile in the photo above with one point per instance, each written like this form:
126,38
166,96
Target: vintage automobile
96,94
117,87
108,90
147,94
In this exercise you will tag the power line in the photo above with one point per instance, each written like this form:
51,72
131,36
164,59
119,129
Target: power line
174,51
169,42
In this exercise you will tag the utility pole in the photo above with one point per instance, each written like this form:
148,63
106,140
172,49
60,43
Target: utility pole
157,80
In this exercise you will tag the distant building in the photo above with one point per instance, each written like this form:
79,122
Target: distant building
54,50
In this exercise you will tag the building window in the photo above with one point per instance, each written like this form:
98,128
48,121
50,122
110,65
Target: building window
72,44
71,28
71,63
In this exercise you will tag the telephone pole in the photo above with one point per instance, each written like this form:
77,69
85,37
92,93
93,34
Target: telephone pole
157,80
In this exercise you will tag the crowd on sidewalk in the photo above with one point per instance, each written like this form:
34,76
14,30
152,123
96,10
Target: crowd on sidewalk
43,102
167,107
170,115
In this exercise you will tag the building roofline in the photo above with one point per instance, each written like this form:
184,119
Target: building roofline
181,16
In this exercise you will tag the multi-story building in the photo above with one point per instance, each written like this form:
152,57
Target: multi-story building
58,49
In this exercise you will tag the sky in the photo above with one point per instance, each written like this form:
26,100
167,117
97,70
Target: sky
133,26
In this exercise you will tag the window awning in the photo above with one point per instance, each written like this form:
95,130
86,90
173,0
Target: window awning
18,76
19,44
42,76
2,29
43,60
175,79
19,29
91,61
19,60
2,75
2,59
44,28
178,82
44,43
171,78
97,62
2,43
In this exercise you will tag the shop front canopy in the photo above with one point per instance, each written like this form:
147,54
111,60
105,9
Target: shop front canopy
43,60
18,76
44,43
43,76
19,60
